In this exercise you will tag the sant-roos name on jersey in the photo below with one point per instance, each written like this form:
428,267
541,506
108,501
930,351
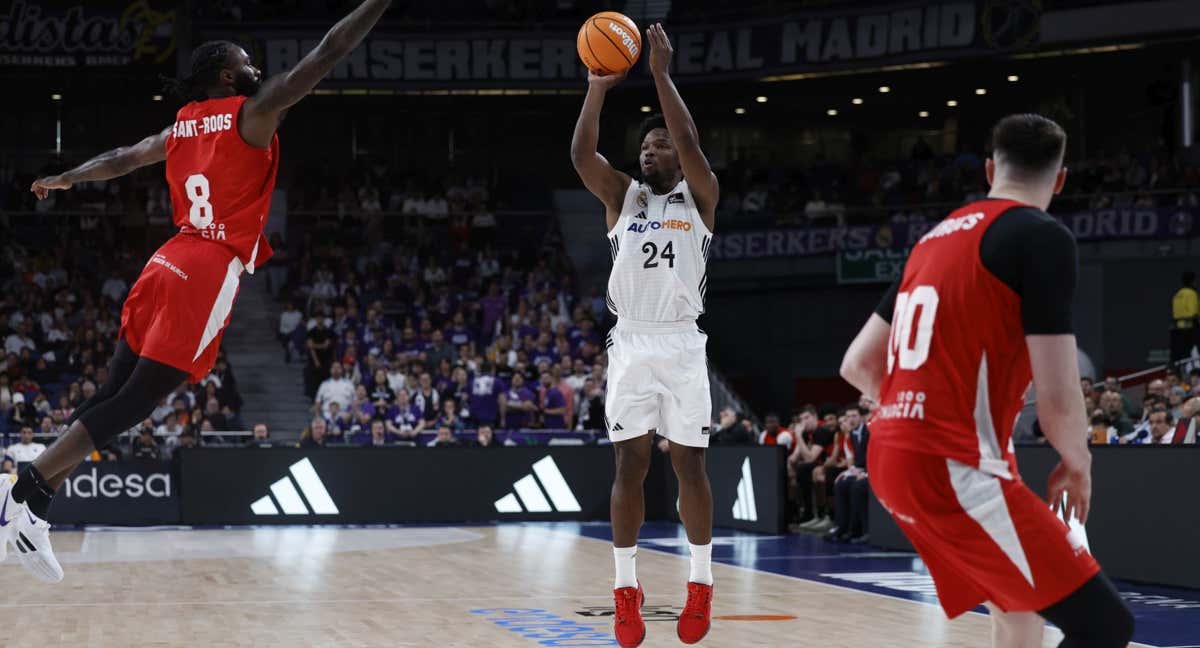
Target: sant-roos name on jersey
210,124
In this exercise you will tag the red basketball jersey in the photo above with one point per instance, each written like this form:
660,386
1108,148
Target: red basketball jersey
220,185
957,363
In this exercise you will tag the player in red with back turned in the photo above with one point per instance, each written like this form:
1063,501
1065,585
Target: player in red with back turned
222,154
984,305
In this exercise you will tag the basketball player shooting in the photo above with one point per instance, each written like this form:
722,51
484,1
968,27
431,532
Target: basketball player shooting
222,155
983,306
659,230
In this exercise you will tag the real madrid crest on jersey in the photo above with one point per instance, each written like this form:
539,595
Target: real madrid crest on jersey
641,199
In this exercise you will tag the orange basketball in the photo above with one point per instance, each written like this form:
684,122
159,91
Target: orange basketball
609,43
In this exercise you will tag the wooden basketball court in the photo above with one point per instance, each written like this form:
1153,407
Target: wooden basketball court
511,585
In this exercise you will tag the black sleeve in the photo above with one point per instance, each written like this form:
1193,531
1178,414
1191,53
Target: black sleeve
888,303
1035,255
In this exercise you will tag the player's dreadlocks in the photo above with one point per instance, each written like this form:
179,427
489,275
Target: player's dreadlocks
206,64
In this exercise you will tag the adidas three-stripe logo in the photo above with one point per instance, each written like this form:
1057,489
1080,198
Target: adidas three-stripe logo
744,507
283,493
533,491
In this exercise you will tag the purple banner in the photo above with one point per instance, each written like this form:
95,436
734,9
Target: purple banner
1097,225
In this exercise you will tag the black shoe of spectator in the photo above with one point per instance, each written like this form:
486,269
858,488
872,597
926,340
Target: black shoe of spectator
862,539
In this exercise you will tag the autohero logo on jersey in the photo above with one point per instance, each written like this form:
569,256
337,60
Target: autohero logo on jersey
92,485
672,224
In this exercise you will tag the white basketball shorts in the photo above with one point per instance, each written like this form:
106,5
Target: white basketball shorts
658,380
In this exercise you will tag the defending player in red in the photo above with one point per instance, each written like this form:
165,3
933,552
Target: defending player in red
222,153
984,305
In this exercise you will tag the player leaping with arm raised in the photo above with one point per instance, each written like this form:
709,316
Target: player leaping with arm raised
659,231
222,158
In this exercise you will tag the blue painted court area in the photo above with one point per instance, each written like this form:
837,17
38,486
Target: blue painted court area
1166,616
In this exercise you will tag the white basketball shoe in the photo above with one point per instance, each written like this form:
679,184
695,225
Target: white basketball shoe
29,535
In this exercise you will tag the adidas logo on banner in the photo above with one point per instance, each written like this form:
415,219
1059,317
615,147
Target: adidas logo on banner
744,507
285,495
534,497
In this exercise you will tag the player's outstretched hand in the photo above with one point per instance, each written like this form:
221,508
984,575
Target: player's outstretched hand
43,186
1076,484
660,49
605,81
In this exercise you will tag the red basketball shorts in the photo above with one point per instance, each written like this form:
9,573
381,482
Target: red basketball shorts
983,538
180,304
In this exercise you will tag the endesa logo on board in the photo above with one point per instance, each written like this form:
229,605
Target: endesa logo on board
91,484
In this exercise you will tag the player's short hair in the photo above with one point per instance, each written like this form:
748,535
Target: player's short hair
811,409
650,123
207,61
1029,144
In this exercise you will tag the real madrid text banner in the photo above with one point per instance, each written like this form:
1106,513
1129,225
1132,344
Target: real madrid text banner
812,41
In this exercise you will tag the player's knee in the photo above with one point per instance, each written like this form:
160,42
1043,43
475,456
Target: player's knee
632,464
688,463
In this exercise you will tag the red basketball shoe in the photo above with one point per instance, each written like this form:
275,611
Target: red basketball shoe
628,626
696,617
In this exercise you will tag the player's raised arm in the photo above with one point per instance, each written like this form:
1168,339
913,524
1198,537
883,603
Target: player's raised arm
605,182
261,113
684,135
108,165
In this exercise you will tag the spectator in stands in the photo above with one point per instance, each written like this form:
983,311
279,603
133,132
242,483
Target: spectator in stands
170,428
445,438
552,404
144,446
381,393
379,436
339,422
427,400
825,475
1113,408
1113,385
773,433
591,406
851,488
484,399
1162,428
289,321
517,406
1185,310
337,388
729,430
25,451
806,455
215,415
261,437
484,438
406,421
187,439
449,417
319,357
314,435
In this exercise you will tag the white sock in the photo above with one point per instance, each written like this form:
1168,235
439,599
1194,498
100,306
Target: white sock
625,559
701,564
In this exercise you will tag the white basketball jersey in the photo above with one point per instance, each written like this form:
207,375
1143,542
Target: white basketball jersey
660,252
